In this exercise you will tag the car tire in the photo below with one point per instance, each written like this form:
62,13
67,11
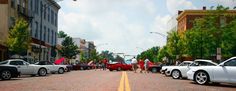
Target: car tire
119,69
176,74
201,77
42,72
81,68
110,70
6,75
154,70
61,71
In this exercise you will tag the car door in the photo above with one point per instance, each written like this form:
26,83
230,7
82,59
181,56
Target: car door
184,69
21,67
230,69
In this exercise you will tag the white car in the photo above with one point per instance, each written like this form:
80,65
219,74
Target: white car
168,69
181,71
28,69
60,69
224,72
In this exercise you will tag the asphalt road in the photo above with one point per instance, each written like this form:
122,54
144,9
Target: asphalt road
99,80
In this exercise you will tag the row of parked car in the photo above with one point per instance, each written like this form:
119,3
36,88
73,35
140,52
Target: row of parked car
118,66
15,67
204,71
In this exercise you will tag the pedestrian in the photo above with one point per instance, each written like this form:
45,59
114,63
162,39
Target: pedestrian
134,64
104,64
141,65
146,65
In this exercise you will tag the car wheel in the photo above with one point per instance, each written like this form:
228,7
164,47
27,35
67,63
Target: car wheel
154,70
201,77
110,70
6,75
61,71
119,69
42,72
81,68
176,74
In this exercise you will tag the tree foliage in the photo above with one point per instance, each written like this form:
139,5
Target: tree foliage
19,37
62,34
69,49
150,54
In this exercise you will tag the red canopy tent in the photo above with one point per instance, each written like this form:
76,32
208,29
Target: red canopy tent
59,61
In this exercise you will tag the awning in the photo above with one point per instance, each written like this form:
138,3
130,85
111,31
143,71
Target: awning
59,61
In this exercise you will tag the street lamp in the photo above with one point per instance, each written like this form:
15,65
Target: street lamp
159,34
43,7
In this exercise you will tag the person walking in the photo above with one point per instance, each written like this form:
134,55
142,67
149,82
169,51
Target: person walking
146,65
141,65
134,64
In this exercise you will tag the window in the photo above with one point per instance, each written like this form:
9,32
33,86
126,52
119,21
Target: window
48,35
31,4
36,6
44,14
52,37
44,32
31,29
4,62
41,7
36,30
222,21
55,19
231,63
16,63
52,17
184,64
13,3
48,14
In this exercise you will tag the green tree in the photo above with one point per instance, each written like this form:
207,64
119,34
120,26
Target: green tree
69,49
19,37
61,34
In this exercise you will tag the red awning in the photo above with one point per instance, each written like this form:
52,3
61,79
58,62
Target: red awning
59,61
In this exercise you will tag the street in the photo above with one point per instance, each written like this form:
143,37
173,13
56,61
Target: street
99,80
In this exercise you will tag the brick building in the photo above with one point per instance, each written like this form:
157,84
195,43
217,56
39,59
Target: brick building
185,18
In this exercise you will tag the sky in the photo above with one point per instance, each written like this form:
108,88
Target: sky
124,26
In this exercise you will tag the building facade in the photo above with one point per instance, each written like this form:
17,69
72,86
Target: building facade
44,27
10,11
186,18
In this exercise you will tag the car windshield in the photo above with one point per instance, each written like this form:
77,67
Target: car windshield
202,63
184,64
3,62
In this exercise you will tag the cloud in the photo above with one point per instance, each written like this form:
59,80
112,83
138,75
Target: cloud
123,24
174,5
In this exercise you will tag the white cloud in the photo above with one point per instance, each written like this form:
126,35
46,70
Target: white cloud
174,5
123,24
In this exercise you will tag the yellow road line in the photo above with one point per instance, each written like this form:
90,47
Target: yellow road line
124,82
121,87
127,87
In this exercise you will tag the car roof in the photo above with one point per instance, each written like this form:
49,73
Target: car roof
188,61
203,60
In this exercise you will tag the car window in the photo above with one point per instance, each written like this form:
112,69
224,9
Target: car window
49,63
4,62
184,64
16,63
231,63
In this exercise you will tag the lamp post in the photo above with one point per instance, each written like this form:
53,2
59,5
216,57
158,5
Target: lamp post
43,7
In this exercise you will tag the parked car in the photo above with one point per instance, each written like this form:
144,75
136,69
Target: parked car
28,69
7,71
119,66
60,69
168,69
224,72
181,71
82,66
154,68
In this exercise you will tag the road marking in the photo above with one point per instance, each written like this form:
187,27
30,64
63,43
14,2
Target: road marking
121,87
124,82
127,87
